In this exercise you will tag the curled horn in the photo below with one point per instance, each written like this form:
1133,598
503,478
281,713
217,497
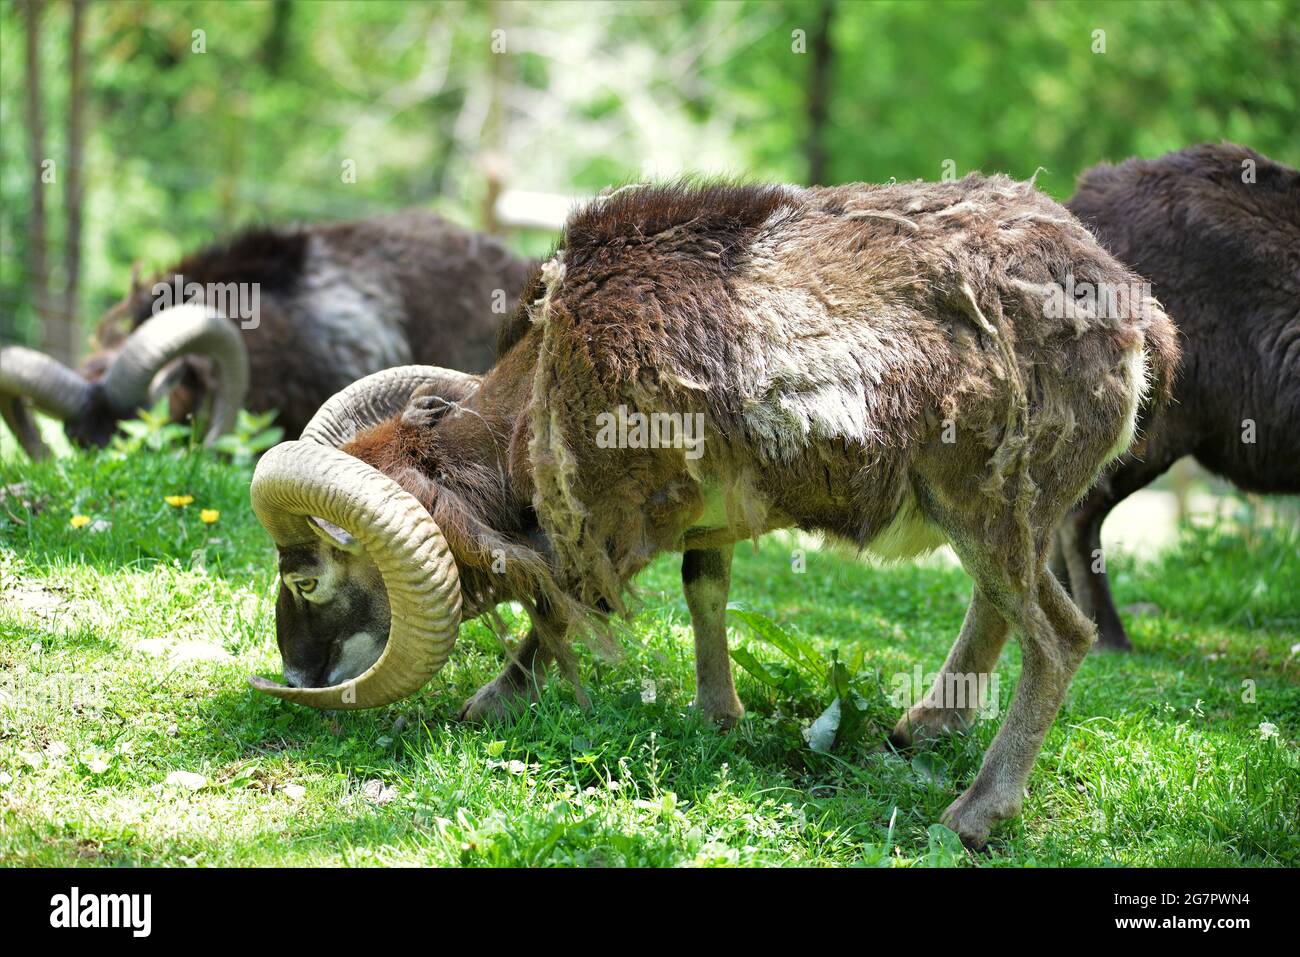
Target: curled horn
297,482
59,391
381,396
51,387
186,329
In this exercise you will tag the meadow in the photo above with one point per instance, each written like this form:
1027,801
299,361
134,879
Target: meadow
137,593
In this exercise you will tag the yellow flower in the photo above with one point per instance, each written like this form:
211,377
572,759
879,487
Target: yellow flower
80,521
178,501
209,515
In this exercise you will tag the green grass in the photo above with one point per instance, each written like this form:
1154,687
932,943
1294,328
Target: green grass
124,651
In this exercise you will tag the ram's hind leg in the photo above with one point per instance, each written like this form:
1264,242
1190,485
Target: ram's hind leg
1079,540
956,697
517,685
1004,550
1054,638
706,580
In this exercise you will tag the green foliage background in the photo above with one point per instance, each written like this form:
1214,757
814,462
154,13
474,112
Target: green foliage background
185,146
1156,759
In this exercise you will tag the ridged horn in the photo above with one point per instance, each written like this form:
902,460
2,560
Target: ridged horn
298,480
48,384
381,396
15,415
192,329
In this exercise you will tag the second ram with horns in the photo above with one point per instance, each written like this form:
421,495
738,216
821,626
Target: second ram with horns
888,365
278,318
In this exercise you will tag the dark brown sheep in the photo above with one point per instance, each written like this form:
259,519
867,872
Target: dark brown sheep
1216,230
894,366
334,302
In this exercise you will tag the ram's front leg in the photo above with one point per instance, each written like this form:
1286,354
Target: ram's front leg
516,686
706,579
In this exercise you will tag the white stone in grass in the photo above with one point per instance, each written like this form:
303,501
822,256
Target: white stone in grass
295,792
6,779
376,792
199,651
151,646
187,779
181,652
38,601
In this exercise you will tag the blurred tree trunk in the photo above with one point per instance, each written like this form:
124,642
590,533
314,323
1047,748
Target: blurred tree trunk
821,54
234,134
276,41
491,161
52,337
72,183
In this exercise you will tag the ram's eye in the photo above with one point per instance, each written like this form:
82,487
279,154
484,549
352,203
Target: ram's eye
306,586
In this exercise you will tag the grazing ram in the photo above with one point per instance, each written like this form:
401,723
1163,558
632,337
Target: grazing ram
889,365
289,315
1216,230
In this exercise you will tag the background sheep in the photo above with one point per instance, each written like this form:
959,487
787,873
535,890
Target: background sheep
334,303
883,364
1216,229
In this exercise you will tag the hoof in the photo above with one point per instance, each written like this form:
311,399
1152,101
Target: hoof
921,722
973,816
496,701
900,738
725,714
1112,643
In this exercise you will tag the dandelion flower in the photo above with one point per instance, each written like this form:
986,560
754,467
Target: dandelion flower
209,515
178,501
80,521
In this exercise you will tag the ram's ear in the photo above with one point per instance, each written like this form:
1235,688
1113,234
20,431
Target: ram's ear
334,536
